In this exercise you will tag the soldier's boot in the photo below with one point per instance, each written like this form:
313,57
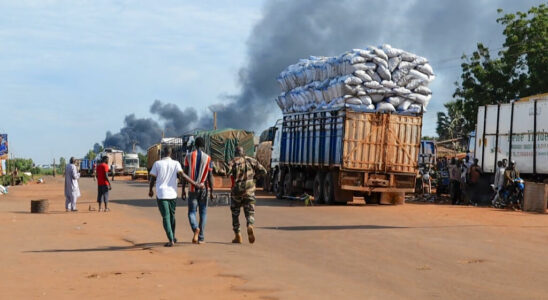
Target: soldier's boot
250,234
237,238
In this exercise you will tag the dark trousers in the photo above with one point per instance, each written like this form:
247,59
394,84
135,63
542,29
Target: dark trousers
102,193
455,191
167,209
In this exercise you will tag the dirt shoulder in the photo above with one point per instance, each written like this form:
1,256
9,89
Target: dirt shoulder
96,255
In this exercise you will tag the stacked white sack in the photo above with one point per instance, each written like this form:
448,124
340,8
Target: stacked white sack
383,79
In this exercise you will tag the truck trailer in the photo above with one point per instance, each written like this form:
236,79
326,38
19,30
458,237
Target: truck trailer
515,131
341,153
115,158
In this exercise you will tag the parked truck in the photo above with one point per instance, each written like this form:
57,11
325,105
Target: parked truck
115,158
87,167
342,153
515,131
131,163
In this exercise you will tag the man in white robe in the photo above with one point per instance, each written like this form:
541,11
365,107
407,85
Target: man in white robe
72,190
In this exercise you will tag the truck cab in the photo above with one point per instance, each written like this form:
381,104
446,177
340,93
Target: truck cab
131,163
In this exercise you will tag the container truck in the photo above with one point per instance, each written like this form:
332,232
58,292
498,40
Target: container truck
515,131
342,153
115,157
131,163
87,167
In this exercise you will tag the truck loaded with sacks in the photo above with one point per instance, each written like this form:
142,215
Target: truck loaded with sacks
351,126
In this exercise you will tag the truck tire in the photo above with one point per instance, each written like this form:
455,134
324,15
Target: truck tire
318,188
288,183
374,198
329,189
278,184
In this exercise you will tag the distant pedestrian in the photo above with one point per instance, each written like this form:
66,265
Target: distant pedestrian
72,189
499,175
473,180
454,177
103,184
198,167
113,170
242,169
163,176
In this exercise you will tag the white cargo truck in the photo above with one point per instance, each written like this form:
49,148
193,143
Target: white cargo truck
515,131
131,163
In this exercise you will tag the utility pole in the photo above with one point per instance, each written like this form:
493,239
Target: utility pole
214,120
54,167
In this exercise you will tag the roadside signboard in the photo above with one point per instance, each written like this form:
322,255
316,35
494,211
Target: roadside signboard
3,146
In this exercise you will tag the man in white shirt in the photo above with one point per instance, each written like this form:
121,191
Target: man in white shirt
163,176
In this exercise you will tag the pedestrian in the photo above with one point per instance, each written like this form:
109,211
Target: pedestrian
473,180
163,176
103,184
454,177
242,169
499,175
510,174
198,167
72,189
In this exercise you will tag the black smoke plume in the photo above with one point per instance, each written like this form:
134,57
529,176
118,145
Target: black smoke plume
289,30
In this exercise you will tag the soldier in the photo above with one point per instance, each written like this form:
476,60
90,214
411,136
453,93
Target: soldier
242,169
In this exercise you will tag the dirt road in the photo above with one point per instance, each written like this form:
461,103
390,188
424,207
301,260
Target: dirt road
414,251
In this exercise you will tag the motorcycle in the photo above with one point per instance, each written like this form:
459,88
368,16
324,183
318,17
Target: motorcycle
511,197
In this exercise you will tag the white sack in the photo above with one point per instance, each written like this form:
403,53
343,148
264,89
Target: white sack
385,107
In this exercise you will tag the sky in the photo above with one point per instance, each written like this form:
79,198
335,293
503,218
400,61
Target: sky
72,70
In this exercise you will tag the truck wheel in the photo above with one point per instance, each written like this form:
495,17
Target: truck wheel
318,188
329,189
288,183
374,198
266,183
278,186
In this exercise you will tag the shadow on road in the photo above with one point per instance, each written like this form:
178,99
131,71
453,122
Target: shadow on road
332,227
142,246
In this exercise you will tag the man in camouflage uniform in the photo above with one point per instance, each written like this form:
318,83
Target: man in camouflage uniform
242,169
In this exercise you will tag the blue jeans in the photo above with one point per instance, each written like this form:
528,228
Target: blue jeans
197,200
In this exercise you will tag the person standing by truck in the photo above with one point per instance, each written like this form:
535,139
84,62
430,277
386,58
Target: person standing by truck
242,169
72,189
198,167
103,184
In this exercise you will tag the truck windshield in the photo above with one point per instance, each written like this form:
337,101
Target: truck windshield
132,161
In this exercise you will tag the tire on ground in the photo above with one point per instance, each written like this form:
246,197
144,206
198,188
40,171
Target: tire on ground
318,187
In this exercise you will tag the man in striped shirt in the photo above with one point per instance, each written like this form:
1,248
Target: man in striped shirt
198,167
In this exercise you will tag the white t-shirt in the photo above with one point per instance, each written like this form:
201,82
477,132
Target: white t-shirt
165,171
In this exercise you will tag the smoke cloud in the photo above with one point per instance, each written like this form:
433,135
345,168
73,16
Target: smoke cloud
439,30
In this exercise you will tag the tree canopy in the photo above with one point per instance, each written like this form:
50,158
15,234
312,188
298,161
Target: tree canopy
519,70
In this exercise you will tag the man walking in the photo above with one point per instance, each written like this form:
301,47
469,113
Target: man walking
198,167
72,189
103,184
163,176
242,169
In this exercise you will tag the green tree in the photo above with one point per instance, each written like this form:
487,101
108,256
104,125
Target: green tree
62,165
91,155
453,124
142,160
519,70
